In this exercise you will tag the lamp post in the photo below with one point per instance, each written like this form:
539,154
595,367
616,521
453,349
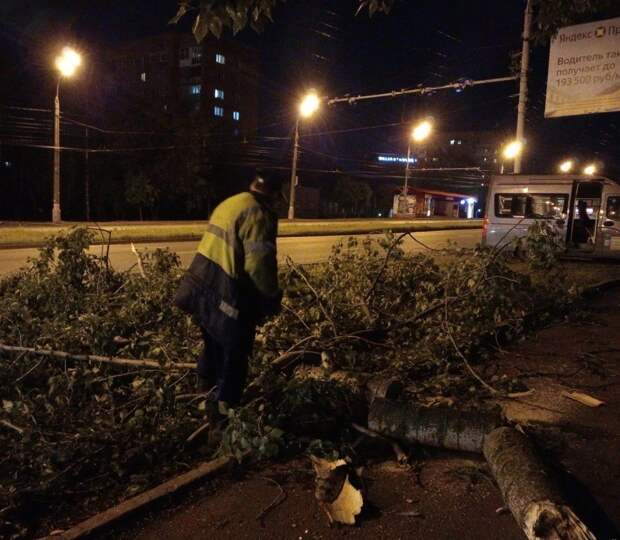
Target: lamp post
308,106
511,152
67,63
419,133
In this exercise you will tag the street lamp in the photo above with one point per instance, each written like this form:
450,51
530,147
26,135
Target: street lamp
67,64
590,169
307,107
567,166
419,133
511,151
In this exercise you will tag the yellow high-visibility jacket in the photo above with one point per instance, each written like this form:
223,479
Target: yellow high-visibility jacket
233,278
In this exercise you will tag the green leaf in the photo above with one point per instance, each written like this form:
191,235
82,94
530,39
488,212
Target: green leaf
183,8
201,26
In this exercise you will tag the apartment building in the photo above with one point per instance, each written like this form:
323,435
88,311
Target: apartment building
171,74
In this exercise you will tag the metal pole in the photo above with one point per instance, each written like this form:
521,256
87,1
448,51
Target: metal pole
525,61
406,186
422,90
56,216
291,207
87,179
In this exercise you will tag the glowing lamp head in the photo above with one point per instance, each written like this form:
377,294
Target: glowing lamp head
589,170
566,166
421,131
513,149
68,62
309,105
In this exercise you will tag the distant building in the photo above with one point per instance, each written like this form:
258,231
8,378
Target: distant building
472,148
447,149
171,74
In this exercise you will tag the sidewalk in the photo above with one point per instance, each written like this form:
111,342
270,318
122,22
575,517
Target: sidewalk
443,497
24,234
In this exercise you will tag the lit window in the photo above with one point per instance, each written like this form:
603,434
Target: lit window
143,76
236,115
219,94
196,52
195,89
218,111
220,58
452,141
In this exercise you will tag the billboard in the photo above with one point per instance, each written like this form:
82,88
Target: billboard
584,70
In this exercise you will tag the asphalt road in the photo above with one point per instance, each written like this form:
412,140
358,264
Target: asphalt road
303,250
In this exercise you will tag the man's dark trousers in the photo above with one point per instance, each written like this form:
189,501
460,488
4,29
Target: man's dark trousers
226,367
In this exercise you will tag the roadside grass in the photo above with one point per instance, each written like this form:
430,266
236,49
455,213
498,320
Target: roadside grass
33,235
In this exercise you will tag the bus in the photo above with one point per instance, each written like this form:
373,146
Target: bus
585,210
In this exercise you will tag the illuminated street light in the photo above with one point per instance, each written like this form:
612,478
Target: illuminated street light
307,107
421,131
589,169
67,64
513,149
567,166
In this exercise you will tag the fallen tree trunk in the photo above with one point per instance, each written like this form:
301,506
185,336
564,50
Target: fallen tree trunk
441,427
138,502
528,488
61,355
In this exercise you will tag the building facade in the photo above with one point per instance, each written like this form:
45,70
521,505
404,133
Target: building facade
171,74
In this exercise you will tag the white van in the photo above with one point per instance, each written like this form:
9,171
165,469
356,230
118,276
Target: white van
585,209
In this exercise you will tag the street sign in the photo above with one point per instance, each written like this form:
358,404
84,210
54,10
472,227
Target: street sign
584,70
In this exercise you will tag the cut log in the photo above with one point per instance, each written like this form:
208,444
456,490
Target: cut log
529,490
138,502
441,427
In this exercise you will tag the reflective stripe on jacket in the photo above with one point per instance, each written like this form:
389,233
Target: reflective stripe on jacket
234,274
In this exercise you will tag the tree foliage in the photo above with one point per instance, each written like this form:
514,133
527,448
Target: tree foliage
140,191
80,436
551,15
352,196
212,16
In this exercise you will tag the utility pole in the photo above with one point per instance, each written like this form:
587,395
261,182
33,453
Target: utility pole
56,216
291,204
87,178
525,62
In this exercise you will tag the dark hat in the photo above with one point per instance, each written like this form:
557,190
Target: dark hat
267,182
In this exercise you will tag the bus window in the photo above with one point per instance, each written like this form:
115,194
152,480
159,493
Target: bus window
613,207
509,205
503,205
547,206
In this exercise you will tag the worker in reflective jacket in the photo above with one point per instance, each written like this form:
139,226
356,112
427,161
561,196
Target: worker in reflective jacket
231,285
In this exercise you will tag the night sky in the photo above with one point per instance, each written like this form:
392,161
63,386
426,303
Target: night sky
323,45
